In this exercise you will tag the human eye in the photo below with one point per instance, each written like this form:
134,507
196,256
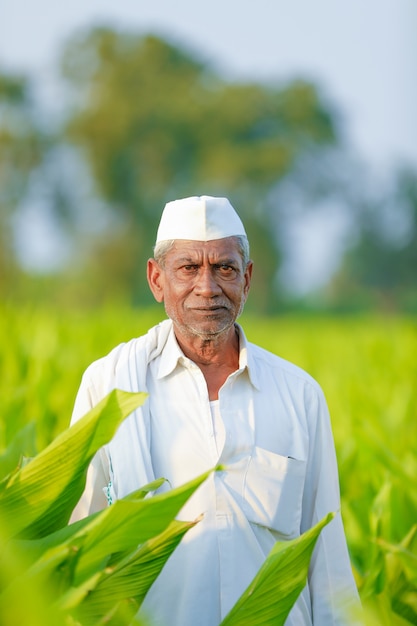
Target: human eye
225,270
188,268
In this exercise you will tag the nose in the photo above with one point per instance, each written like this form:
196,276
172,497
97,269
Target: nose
206,284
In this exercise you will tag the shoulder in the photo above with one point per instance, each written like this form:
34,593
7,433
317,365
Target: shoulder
266,362
287,384
123,368
105,368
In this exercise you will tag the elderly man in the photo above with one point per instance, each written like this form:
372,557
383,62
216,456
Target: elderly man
216,398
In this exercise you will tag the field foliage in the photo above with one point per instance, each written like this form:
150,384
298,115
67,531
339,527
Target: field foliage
366,366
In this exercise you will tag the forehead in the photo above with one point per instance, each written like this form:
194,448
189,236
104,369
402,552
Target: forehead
226,248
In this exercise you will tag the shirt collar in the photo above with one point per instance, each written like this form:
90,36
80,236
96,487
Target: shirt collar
246,359
172,355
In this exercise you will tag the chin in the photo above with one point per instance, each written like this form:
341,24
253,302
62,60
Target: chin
209,331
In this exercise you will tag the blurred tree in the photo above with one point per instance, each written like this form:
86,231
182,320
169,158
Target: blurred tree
154,124
20,152
381,267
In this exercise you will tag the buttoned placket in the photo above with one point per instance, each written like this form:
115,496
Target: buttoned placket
239,432
206,414
225,515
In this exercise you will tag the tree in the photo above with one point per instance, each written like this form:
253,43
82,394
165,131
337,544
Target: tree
154,123
380,267
20,152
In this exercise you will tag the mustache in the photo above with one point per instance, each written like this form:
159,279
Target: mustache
209,306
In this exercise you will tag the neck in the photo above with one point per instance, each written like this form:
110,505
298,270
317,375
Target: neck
217,357
221,349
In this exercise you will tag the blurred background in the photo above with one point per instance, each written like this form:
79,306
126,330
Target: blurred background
303,114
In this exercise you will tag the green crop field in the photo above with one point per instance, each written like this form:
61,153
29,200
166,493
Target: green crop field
366,366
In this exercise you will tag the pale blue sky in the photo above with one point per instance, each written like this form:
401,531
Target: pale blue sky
362,52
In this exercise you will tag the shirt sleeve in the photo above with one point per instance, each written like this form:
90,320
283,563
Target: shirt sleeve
93,498
334,595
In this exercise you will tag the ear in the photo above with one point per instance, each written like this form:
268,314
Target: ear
248,278
155,275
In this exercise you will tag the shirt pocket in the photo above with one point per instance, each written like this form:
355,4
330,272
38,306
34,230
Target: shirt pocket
273,491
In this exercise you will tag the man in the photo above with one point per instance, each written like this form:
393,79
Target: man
216,398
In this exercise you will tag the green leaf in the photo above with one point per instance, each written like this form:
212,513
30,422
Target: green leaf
40,497
130,580
143,491
276,587
24,442
405,553
24,598
128,523
34,548
401,566
73,556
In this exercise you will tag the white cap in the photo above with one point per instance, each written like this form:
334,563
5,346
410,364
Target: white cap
199,218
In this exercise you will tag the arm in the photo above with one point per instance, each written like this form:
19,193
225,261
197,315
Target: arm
332,587
93,498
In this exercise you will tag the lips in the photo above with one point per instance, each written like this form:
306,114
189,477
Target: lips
209,306
208,310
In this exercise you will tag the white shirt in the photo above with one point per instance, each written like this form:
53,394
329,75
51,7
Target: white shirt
271,431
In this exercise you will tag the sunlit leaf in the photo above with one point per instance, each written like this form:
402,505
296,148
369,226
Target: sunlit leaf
40,497
276,587
128,523
131,578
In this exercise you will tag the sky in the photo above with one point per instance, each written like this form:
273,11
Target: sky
361,53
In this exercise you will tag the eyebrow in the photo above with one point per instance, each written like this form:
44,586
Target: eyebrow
186,259
195,261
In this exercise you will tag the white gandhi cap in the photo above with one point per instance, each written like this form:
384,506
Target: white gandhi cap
199,218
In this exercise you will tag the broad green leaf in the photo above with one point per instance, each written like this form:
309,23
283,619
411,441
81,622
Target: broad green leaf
23,443
40,497
35,548
25,601
149,488
276,587
404,604
53,570
131,579
89,545
127,523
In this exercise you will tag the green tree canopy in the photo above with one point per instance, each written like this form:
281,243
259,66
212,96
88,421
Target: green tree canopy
381,266
20,152
154,123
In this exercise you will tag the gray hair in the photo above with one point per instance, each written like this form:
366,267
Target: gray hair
162,248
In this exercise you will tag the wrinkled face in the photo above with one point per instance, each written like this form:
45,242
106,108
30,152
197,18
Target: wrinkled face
203,285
